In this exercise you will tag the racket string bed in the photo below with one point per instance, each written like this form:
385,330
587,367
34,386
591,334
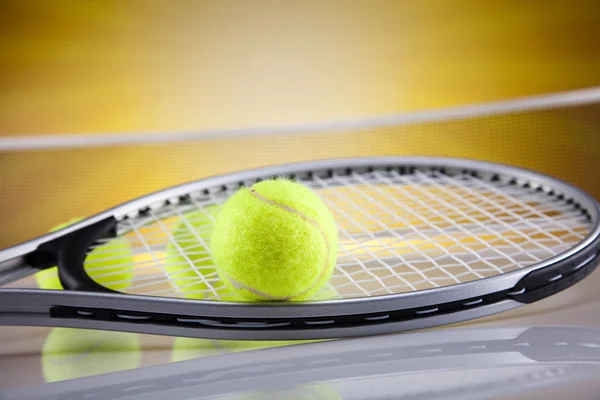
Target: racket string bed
423,242
400,231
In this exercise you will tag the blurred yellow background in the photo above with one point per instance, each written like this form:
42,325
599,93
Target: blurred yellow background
110,67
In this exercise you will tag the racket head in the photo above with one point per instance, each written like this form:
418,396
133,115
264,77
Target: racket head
407,225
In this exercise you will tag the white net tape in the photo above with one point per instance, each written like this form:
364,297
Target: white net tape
398,233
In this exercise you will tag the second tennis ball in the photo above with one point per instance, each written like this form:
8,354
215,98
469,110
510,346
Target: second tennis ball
109,264
276,241
188,263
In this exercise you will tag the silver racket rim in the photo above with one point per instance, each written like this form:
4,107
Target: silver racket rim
318,319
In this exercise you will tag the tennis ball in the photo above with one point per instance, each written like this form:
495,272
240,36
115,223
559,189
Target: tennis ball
109,264
188,262
276,240
75,353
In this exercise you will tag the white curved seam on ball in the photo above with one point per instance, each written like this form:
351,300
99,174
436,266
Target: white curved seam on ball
312,222
240,285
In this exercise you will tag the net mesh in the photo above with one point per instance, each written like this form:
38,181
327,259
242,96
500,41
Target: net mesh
399,232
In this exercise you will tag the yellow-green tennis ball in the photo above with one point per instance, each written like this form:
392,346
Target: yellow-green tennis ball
275,241
75,353
188,262
110,264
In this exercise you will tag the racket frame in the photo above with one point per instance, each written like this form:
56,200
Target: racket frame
87,304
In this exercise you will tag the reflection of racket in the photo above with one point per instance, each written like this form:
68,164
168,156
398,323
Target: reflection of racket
439,364
424,242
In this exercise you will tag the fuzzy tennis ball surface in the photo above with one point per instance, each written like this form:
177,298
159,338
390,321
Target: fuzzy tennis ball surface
75,353
275,241
188,262
109,264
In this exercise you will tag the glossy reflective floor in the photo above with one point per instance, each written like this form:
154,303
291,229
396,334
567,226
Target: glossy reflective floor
547,350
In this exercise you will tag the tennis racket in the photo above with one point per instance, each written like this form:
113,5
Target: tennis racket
423,242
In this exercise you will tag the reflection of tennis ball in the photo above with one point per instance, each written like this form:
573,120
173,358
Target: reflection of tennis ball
190,348
109,264
305,392
74,353
188,262
275,241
